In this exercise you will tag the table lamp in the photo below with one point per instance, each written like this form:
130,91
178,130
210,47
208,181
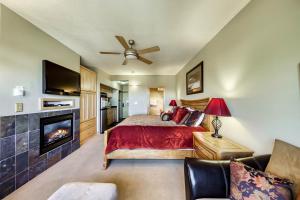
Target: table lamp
217,107
173,103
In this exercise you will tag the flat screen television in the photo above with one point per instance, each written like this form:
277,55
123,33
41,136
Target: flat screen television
60,80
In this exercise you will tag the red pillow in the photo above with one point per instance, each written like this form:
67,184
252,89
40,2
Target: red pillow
174,112
180,114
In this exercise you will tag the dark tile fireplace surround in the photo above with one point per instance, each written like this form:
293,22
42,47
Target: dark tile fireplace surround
21,155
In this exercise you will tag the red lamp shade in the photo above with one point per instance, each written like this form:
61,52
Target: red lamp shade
173,103
218,107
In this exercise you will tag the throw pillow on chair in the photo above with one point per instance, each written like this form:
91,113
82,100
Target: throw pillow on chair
251,184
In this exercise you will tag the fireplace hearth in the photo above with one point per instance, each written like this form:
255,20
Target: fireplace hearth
55,131
21,161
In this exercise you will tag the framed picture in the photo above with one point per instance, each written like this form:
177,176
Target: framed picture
194,80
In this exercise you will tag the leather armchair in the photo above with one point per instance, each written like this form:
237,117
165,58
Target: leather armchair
211,179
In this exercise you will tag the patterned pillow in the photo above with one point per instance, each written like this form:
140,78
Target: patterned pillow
195,118
161,114
166,116
248,183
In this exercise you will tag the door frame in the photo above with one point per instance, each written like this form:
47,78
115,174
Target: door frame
164,96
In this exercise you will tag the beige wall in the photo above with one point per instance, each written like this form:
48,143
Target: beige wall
22,49
254,63
139,91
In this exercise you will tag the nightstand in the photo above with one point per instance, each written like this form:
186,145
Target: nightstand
210,148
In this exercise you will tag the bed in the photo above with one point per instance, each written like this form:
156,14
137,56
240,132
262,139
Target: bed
176,148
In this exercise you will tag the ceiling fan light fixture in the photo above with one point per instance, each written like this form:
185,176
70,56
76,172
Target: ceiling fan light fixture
131,57
131,54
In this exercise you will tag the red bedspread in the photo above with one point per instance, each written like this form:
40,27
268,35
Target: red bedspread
151,137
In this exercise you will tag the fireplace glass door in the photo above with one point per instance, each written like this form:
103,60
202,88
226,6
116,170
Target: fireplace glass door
55,131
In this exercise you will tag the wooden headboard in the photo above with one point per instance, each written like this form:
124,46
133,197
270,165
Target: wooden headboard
199,104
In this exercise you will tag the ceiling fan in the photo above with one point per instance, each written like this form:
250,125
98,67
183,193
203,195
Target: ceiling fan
130,53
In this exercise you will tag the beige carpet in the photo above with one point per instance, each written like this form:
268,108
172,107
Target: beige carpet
135,179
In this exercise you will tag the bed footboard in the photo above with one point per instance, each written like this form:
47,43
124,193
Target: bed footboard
105,140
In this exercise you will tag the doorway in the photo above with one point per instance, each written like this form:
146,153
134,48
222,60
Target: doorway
156,104
123,102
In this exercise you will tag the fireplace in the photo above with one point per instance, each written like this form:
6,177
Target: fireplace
55,131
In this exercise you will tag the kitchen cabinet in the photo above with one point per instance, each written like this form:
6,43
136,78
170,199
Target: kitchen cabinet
106,89
87,104
111,115
115,114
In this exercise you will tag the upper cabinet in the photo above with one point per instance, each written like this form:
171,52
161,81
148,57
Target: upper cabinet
88,80
106,89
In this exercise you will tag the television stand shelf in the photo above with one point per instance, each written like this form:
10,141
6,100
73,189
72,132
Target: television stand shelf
56,104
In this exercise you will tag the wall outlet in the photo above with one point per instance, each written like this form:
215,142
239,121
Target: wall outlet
19,107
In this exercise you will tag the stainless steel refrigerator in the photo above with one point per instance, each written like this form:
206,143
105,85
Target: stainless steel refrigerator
103,112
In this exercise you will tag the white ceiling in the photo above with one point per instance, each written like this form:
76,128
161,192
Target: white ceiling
180,27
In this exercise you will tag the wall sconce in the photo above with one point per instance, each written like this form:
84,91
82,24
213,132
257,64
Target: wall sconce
18,91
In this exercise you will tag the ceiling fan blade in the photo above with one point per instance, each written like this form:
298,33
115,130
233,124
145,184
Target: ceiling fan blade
107,52
122,41
145,60
125,62
149,50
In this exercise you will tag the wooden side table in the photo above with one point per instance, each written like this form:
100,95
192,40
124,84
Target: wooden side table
210,148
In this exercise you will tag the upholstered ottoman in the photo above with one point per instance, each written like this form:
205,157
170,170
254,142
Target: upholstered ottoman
85,191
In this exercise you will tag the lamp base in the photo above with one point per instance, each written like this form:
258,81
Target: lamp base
216,135
217,125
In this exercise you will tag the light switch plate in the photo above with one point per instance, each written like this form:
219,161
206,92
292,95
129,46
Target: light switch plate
19,107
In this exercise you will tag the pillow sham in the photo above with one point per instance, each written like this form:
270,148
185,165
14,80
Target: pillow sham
248,183
185,118
166,116
285,162
161,114
180,114
200,119
190,109
195,119
174,112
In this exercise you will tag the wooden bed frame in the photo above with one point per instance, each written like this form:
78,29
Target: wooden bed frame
198,104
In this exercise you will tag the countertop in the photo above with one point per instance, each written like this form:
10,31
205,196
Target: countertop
108,107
